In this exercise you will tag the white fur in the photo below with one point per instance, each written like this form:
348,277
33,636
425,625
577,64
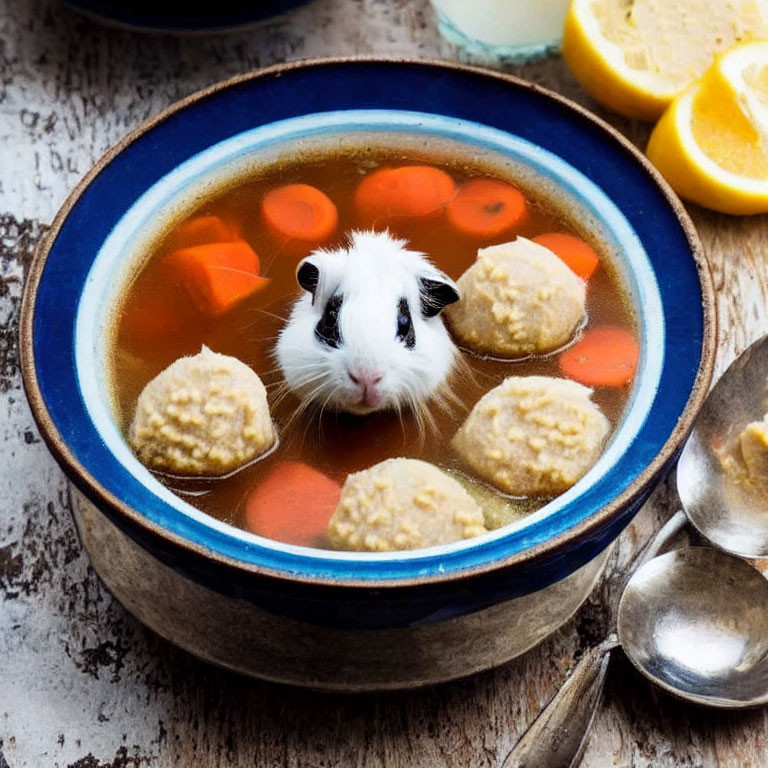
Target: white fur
372,273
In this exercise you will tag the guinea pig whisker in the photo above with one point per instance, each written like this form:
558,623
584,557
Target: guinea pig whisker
303,381
448,401
307,380
399,412
429,418
259,339
313,411
296,413
439,401
282,391
320,410
293,418
225,268
306,366
275,378
426,420
276,253
325,402
308,401
303,406
311,373
463,370
269,314
277,369
415,408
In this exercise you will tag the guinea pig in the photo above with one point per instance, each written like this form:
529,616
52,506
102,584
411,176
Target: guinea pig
366,334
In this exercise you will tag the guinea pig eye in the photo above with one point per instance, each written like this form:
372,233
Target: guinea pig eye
405,332
327,329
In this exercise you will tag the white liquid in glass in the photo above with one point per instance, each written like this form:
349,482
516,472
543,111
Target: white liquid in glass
506,23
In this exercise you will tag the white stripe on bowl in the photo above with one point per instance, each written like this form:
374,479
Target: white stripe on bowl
118,251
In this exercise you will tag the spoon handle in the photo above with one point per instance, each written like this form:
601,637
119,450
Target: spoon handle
557,737
663,537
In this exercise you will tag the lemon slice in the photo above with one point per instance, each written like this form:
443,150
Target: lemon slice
635,56
712,142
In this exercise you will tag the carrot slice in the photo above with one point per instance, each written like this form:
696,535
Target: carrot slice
408,192
205,229
293,503
299,216
605,356
486,208
575,252
219,275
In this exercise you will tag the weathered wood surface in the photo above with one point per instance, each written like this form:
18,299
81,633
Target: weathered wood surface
81,682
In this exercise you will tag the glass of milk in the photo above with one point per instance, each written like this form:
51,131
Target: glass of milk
516,29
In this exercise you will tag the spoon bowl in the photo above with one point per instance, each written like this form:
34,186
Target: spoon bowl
732,516
695,621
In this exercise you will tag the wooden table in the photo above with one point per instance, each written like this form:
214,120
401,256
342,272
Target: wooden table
82,684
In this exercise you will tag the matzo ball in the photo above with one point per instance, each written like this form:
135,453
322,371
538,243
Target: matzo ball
204,415
517,299
402,504
533,435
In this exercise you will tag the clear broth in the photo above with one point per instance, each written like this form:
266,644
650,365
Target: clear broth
157,323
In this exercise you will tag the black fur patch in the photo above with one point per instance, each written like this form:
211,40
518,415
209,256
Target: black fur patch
405,330
307,277
435,296
327,329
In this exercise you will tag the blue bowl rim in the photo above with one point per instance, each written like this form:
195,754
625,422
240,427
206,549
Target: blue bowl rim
120,511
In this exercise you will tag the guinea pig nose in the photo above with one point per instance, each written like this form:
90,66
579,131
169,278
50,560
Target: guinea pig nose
366,378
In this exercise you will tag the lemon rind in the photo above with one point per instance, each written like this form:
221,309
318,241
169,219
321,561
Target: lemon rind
693,174
598,64
728,73
600,67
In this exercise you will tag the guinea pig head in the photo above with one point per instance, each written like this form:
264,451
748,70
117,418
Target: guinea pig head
366,333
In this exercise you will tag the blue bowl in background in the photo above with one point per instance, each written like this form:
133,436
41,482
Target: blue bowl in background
177,16
354,621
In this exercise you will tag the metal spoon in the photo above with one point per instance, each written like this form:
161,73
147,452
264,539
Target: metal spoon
734,518
694,621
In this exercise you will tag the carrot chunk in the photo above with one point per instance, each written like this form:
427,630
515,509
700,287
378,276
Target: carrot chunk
219,275
605,356
575,252
293,504
299,216
486,208
205,229
408,192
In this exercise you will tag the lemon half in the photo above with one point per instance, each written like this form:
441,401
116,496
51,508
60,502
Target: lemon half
712,142
635,56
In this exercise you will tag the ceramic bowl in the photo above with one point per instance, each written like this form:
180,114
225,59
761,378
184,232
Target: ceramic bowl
347,620
183,16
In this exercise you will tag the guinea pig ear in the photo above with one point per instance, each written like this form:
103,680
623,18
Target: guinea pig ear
437,292
308,275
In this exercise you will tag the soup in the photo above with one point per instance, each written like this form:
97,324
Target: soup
159,321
